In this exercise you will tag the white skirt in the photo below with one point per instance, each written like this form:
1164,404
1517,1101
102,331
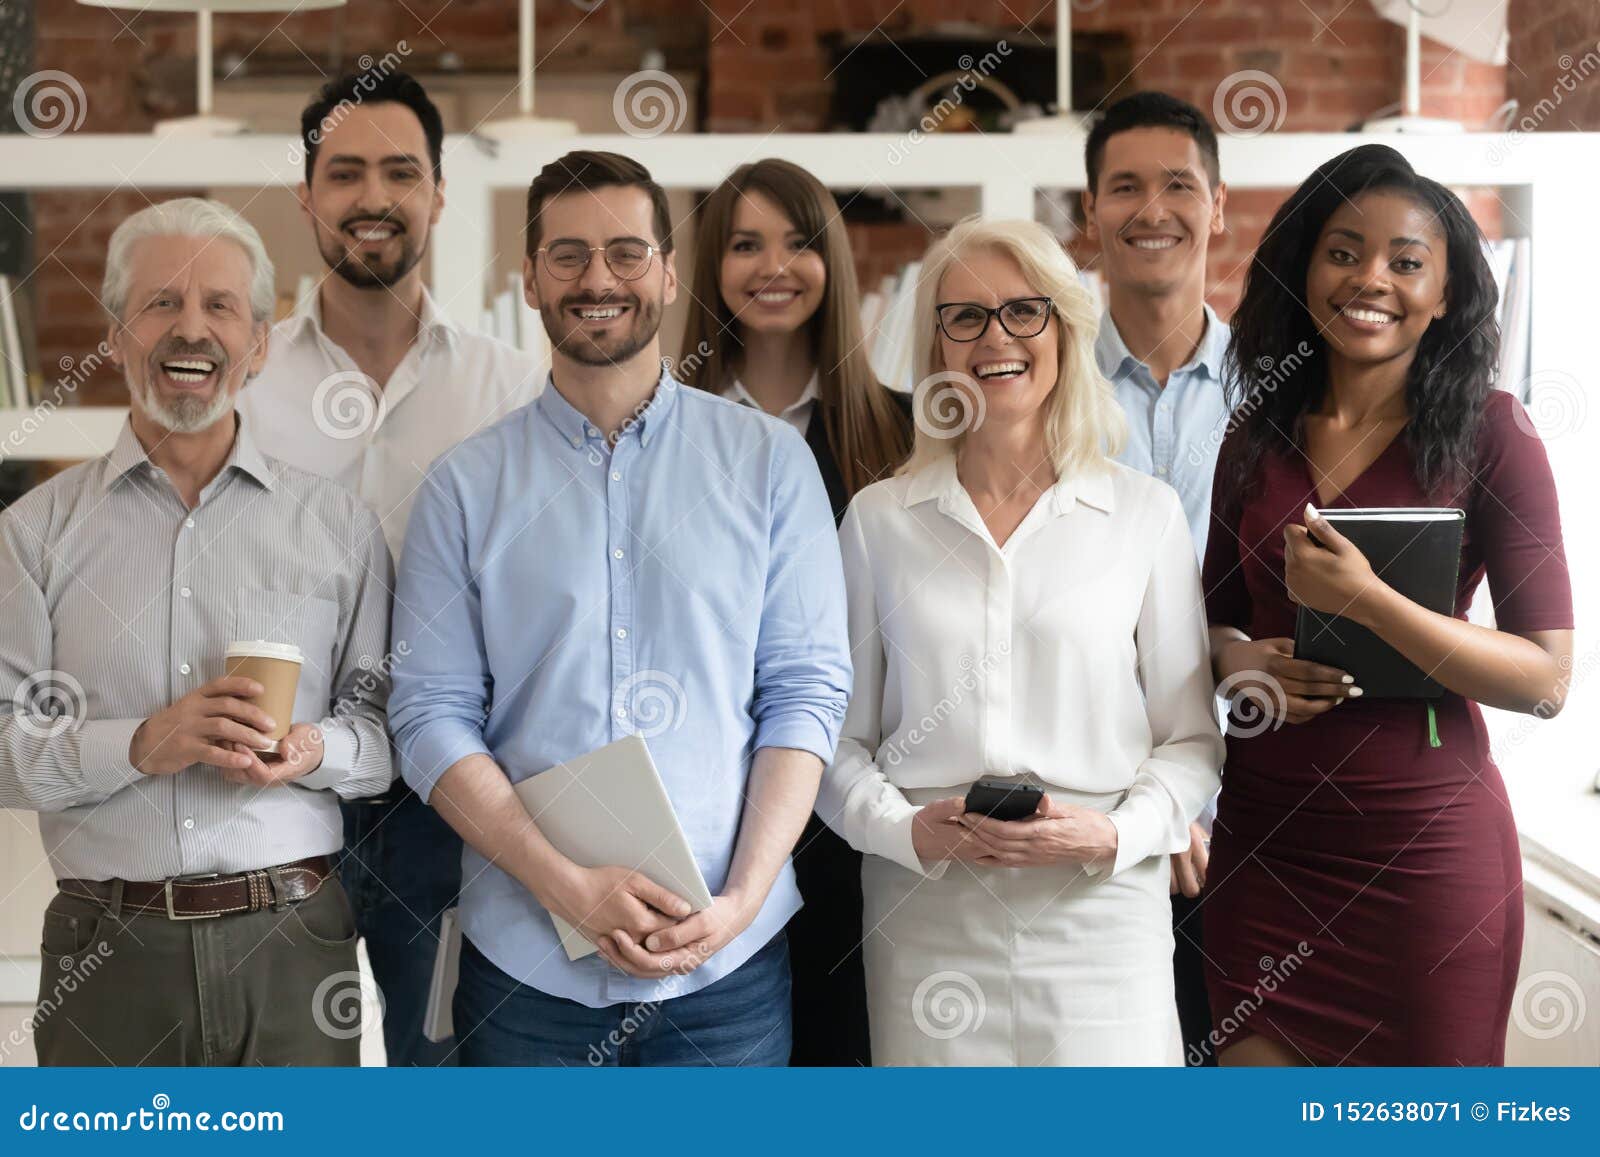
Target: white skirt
1020,966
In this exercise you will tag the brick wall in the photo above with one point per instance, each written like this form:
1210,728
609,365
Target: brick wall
1555,65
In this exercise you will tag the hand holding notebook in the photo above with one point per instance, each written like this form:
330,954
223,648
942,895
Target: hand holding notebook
1415,551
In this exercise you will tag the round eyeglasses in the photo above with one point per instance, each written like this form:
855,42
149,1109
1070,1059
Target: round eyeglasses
1020,317
627,259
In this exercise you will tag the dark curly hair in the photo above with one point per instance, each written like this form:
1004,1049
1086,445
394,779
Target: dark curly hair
1455,363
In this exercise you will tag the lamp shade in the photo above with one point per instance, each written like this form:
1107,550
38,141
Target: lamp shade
215,5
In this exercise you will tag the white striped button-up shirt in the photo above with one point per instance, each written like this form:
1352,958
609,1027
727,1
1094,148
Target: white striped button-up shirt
116,600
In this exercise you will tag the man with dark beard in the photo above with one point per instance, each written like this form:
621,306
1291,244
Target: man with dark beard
368,382
626,556
199,907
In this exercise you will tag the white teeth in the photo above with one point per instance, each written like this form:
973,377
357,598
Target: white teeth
1375,317
999,369
189,370
1152,242
600,314
777,297
373,232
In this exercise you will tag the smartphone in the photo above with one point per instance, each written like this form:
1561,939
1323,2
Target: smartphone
1002,800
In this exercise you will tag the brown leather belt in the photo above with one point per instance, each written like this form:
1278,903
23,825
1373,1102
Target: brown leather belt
207,897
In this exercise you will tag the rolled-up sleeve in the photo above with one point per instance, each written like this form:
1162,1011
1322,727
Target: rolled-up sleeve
857,799
802,667
1181,773
356,758
441,687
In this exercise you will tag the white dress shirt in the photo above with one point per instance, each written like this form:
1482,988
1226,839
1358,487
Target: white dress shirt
312,407
797,413
1076,653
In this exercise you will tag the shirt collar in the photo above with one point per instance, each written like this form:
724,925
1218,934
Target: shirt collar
129,453
1116,360
938,481
307,318
738,393
575,429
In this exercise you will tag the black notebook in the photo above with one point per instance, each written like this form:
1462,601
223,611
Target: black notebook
1417,551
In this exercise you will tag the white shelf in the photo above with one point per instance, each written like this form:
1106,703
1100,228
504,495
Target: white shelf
66,432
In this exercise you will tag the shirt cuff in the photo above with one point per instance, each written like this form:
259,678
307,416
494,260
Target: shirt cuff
103,754
339,751
1136,838
797,730
436,749
894,842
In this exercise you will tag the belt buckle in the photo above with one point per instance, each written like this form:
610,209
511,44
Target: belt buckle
166,891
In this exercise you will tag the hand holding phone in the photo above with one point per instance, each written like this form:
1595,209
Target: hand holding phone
1003,800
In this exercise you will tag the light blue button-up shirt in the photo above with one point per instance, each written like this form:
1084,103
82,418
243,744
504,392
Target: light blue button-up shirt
556,594
1174,432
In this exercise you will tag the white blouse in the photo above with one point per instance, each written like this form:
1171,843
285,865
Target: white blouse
1077,653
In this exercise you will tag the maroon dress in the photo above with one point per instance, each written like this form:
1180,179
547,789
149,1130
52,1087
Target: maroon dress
1364,896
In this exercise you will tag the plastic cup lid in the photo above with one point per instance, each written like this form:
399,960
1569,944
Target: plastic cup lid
263,649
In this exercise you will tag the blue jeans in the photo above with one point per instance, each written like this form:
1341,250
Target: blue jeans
402,870
742,1019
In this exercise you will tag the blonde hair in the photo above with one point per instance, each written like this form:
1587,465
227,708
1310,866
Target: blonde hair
1083,424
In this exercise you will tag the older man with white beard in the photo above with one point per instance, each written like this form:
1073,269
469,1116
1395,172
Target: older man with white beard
197,907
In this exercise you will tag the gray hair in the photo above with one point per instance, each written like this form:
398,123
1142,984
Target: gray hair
187,217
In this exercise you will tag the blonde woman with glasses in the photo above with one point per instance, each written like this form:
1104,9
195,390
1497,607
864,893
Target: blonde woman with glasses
1022,609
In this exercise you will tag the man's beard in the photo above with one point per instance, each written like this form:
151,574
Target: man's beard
612,348
371,272
183,413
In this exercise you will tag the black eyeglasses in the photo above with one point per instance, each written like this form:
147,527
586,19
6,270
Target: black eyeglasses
627,258
1020,317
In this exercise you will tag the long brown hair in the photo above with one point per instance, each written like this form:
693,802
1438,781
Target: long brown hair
867,433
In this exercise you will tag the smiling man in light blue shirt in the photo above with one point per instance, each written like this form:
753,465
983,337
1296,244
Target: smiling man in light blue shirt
1155,199
625,555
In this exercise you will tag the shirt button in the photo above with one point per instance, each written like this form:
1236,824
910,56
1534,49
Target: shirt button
188,821
622,712
616,476
184,591
183,669
577,441
188,524
616,554
622,632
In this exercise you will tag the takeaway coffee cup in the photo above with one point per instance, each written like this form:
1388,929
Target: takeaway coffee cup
276,666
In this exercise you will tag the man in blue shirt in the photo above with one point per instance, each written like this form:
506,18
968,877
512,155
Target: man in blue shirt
624,555
1155,199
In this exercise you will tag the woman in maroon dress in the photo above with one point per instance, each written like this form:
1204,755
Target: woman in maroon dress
1364,898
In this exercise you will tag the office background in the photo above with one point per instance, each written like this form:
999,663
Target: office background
917,112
